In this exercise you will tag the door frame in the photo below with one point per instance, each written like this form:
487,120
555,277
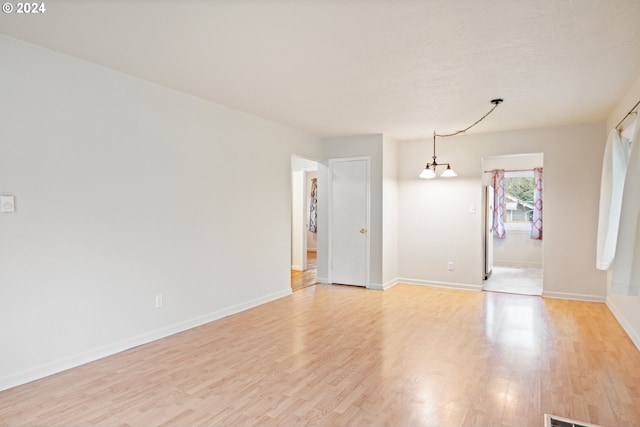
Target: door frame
331,164
299,176
305,213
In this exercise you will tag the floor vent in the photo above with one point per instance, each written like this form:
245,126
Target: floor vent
555,421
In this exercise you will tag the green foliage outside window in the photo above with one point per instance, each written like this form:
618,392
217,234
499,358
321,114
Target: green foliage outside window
520,188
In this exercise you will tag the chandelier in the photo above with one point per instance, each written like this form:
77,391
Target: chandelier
430,169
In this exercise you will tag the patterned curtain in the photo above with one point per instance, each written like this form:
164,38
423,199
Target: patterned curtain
536,225
497,182
313,206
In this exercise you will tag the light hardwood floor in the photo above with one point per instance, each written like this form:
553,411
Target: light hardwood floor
339,355
303,279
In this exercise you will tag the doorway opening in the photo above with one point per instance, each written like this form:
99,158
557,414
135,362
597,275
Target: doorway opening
304,237
308,277
513,246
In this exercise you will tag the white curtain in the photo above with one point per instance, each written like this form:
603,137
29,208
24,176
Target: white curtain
497,182
536,224
625,268
614,168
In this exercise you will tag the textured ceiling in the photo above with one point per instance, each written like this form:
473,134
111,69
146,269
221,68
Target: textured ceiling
331,67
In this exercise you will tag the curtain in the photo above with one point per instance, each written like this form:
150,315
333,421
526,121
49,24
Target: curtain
313,206
497,182
536,224
614,168
625,269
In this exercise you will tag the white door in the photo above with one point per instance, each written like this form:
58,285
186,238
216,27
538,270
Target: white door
349,221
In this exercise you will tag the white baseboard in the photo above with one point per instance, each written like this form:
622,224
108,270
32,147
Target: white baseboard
628,328
323,280
436,284
56,366
572,296
390,284
297,268
521,264
383,286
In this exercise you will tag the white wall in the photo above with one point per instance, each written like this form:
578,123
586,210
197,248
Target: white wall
435,225
353,146
625,308
297,220
389,212
124,190
517,249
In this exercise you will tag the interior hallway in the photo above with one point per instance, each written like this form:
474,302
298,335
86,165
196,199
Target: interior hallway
302,279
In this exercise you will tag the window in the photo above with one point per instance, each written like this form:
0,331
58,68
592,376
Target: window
518,198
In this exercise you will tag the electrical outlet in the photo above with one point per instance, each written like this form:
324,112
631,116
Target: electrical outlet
158,300
450,265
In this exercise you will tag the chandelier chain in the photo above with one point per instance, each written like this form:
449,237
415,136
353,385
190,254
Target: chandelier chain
495,103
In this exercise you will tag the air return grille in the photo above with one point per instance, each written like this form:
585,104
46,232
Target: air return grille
555,421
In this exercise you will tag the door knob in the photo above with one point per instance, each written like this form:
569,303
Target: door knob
362,231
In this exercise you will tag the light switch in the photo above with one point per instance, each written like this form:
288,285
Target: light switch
7,204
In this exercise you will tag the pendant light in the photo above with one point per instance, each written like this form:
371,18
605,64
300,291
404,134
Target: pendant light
429,171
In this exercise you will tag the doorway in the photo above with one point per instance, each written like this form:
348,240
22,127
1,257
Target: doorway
308,277
304,237
513,253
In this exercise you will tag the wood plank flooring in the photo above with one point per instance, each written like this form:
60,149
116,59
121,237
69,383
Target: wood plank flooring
303,279
337,356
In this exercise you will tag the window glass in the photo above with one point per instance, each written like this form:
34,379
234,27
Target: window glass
518,198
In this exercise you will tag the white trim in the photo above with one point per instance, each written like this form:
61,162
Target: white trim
508,264
331,162
519,174
436,284
383,287
572,296
390,284
305,218
297,268
628,328
56,366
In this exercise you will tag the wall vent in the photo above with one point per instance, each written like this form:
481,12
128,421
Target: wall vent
555,421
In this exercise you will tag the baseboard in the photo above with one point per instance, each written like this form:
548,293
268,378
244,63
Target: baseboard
628,328
322,280
522,264
384,286
54,367
390,284
572,296
297,268
436,284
